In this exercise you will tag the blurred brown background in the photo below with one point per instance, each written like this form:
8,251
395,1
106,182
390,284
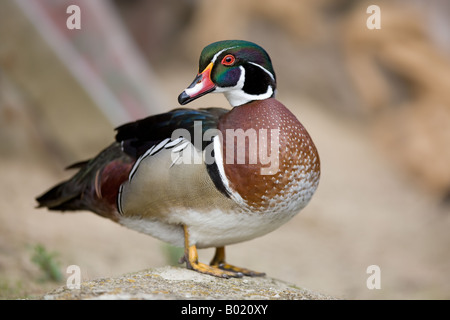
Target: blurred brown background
376,102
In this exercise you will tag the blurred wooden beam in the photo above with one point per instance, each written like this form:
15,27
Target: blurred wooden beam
80,83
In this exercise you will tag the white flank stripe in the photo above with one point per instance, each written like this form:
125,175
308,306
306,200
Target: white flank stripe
218,158
136,165
173,143
159,146
147,153
119,200
181,147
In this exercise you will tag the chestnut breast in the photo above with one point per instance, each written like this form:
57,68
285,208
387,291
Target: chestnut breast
269,157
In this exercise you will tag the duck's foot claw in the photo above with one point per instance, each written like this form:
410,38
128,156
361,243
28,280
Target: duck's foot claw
219,262
214,271
243,271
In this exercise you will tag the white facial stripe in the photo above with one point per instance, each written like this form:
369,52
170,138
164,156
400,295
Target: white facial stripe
239,85
236,96
267,71
218,53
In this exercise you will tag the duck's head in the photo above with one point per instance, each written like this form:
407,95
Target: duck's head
241,70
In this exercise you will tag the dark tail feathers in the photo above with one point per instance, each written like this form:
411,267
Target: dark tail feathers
61,197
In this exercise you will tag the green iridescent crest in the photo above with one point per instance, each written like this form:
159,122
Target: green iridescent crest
243,51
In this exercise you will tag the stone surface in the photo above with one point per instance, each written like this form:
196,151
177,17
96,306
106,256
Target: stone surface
169,283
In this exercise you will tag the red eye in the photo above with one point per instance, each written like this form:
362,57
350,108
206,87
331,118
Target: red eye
228,60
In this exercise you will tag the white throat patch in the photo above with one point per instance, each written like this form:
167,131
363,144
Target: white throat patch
236,95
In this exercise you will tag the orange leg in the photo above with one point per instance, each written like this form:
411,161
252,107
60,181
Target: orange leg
219,262
191,259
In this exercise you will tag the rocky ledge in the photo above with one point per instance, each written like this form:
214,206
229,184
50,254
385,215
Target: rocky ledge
172,283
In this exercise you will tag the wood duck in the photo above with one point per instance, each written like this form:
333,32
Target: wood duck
204,178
